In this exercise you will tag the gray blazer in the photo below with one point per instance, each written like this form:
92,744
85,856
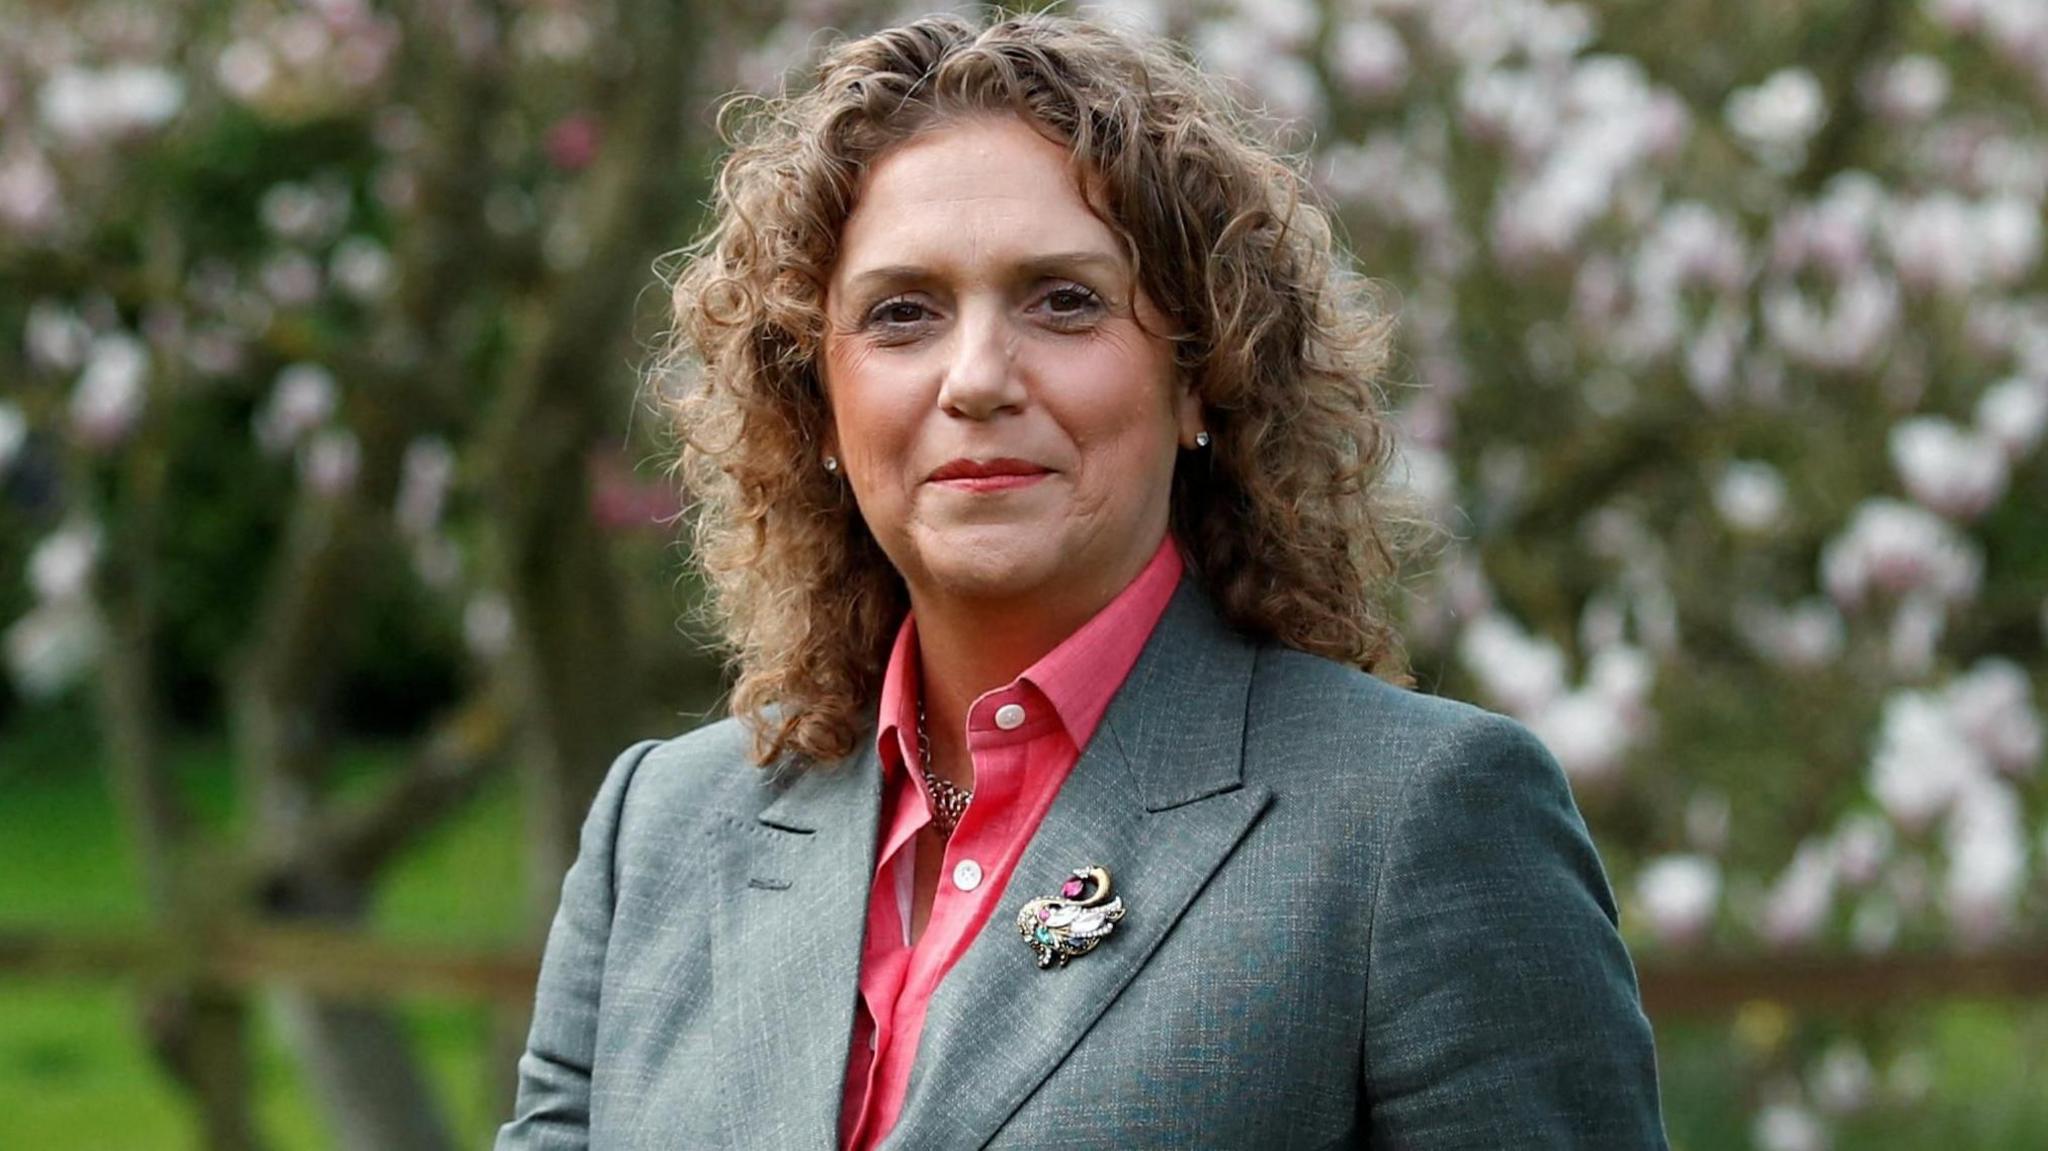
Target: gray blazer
1357,916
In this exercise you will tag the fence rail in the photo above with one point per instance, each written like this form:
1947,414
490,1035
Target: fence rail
350,965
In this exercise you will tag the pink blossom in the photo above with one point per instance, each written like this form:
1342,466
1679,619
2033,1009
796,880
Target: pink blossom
572,142
1910,89
1894,548
1368,58
1862,845
1797,906
31,199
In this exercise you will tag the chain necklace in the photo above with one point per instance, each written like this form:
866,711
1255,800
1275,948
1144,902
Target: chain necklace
949,799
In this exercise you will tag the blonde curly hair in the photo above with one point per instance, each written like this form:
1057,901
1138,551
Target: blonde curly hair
1284,521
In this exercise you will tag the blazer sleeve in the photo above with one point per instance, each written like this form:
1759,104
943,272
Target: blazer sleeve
552,1109
1501,1006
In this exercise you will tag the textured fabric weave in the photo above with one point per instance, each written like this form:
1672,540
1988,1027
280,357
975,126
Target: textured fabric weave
1358,917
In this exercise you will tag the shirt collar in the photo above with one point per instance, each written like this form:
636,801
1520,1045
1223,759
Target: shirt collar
1078,677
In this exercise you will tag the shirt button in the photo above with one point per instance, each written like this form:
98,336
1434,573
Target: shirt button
967,875
1010,716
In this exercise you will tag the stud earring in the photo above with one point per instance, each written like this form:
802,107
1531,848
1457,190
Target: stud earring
1201,439
832,464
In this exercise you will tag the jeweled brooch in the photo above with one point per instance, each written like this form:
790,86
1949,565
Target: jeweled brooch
1072,923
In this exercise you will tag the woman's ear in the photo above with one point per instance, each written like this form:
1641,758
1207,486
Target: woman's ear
1188,414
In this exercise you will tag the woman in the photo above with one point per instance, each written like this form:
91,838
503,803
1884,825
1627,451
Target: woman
1039,470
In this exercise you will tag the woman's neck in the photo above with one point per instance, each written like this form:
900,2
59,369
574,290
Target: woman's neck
965,652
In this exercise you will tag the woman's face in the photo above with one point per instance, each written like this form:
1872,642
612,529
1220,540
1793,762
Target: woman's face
1007,426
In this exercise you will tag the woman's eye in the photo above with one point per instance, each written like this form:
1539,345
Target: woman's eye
897,312
1071,302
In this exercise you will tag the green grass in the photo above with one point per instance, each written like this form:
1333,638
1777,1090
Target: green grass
75,1077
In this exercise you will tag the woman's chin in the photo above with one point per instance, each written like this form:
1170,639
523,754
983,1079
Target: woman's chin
986,564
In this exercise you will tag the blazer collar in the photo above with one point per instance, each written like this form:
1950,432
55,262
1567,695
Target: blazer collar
1157,798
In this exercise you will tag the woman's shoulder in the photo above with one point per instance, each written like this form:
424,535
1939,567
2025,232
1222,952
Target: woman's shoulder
1321,716
710,765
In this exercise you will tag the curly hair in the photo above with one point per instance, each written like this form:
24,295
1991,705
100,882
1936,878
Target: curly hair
1285,521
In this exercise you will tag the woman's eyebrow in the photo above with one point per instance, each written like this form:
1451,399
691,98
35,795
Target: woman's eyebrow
1031,268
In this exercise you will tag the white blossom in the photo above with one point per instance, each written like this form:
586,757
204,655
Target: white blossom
1911,89
1847,333
2014,413
291,278
424,477
1678,895
85,106
1897,549
13,434
1587,732
1750,496
1987,849
1993,707
301,400
363,268
1843,1082
488,626
1707,816
60,567
329,460
1520,672
51,646
1803,636
1368,58
31,198
111,391
1923,760
1796,908
1777,117
1956,471
57,338
1862,845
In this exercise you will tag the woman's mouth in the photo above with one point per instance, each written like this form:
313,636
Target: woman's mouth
988,475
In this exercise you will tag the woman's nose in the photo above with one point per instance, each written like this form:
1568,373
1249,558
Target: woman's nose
981,376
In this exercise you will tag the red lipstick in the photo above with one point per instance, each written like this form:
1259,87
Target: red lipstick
988,475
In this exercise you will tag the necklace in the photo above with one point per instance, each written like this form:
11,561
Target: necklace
949,799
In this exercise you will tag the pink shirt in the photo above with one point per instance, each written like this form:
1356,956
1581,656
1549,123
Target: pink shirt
1023,739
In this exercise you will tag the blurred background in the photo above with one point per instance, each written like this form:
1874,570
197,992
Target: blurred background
338,551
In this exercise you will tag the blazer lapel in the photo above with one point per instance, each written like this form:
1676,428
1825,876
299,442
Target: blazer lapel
792,912
1158,799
